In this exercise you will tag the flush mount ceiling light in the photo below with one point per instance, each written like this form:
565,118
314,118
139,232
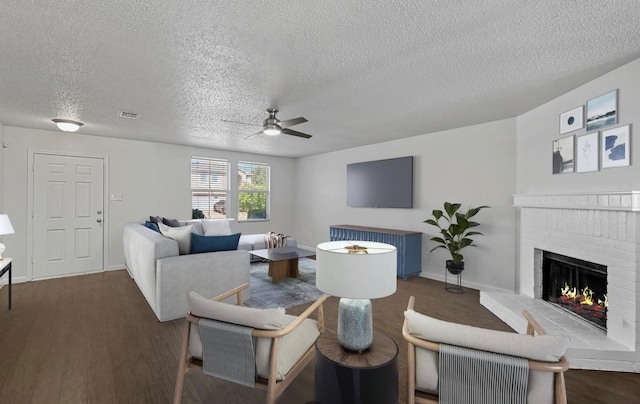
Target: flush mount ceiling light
67,125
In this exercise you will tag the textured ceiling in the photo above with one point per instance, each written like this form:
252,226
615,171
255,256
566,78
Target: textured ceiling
361,72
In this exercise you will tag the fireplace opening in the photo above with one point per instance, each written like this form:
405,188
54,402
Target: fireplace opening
577,286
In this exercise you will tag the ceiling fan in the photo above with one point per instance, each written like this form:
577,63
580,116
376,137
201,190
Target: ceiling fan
272,126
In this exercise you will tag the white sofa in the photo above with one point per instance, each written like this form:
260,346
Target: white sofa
165,277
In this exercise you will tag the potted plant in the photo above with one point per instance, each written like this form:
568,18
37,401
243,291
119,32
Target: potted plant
455,232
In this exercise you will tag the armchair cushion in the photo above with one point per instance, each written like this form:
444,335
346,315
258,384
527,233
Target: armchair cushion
292,347
541,347
264,319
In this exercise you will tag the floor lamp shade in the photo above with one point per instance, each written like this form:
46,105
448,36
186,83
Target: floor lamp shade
356,271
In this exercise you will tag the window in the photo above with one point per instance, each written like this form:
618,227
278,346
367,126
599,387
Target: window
209,187
253,191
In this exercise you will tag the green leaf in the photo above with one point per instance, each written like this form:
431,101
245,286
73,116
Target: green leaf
474,211
438,240
437,213
432,222
451,208
474,233
465,242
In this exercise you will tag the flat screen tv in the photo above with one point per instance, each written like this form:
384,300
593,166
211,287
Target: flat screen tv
381,183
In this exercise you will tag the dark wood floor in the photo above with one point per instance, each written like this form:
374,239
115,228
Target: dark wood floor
94,339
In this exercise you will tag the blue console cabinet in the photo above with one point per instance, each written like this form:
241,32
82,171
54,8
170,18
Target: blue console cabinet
408,244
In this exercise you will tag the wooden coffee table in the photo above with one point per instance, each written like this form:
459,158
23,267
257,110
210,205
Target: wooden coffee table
283,262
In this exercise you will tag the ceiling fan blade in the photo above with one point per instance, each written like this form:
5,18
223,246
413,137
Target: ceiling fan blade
241,123
291,122
255,134
295,133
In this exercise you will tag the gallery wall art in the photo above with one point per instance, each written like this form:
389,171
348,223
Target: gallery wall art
563,155
572,120
602,146
587,153
615,147
602,111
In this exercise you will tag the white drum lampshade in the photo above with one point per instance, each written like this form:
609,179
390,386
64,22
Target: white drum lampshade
5,228
356,271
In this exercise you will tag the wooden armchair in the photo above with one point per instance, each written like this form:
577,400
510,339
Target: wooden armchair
544,355
283,344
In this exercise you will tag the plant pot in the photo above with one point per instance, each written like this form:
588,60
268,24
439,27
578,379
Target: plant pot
454,268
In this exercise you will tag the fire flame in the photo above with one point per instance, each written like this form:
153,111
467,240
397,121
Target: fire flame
585,297
568,292
605,302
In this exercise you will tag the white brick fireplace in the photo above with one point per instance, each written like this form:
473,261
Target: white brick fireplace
598,227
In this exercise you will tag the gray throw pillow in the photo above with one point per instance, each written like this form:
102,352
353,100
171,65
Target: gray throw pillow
171,222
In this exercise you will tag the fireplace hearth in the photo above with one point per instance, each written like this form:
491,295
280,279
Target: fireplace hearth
577,286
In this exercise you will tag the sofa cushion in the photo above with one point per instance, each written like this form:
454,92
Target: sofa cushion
196,223
256,241
216,227
152,226
264,319
180,234
202,244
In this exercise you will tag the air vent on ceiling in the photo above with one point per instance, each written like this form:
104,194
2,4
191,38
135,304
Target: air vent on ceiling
128,115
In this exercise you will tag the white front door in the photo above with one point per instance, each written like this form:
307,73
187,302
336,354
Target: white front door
67,215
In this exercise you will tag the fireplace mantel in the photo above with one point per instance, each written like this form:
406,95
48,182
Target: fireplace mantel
622,201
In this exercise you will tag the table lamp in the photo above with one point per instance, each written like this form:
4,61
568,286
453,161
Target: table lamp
5,228
356,271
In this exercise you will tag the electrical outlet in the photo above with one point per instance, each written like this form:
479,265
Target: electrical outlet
116,197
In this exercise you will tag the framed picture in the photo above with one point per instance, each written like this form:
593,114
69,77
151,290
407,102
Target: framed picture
616,150
587,153
563,155
572,120
602,111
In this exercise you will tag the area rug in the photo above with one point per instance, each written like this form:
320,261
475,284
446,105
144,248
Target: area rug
286,293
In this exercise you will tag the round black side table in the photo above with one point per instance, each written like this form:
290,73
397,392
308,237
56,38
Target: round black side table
347,377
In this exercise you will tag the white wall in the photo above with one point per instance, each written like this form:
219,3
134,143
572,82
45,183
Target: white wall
2,167
473,165
538,128
153,178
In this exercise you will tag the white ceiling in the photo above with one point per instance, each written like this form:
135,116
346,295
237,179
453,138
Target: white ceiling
361,72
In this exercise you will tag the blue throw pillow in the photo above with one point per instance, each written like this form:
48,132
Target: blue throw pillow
152,226
203,244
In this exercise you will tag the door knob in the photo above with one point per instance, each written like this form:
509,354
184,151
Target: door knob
99,220
99,212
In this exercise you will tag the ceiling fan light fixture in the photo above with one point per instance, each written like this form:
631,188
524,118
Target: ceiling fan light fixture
272,130
67,125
